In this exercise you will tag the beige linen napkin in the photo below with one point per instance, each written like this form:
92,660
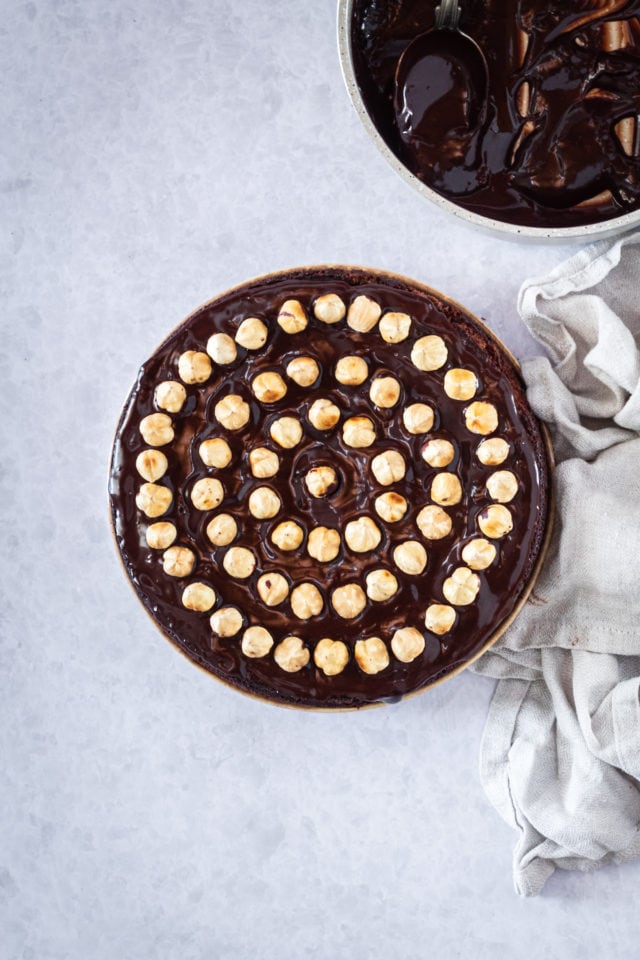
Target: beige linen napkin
560,757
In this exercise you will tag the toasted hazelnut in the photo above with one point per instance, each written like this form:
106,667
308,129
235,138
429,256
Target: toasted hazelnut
207,494
222,349
395,327
371,655
323,544
460,384
388,467
226,621
151,465
320,481
170,395
410,557
438,452
303,370
381,585
161,535
434,523
198,596
291,654
384,392
292,317
222,530
215,453
288,535
461,588
502,486
256,642
286,432
390,507
495,521
429,353
306,601
348,601
157,429
232,412
362,535
331,656
153,500
178,561
329,308
418,418
252,333
351,371
363,314
446,489
439,618
323,414
358,432
268,387
264,503
264,463
479,554
407,644
239,562
194,366
273,589
493,451
481,417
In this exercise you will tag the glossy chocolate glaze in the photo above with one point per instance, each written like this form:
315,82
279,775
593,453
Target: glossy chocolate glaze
544,150
502,583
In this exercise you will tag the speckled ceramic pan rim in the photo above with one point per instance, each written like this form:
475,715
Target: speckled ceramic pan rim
583,234
528,587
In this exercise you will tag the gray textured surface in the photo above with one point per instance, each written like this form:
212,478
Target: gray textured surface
154,154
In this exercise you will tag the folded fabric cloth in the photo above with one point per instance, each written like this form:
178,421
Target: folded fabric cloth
560,757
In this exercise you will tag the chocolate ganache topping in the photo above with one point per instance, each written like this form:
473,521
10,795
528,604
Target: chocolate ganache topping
549,137
327,487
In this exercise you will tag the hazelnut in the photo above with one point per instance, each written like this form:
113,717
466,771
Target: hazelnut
331,656
410,557
329,308
321,480
390,507
222,530
461,588
153,500
207,494
358,432
239,562
215,453
323,544
429,353
437,452
306,601
362,535
384,392
351,371
256,642
418,418
264,503
198,596
194,366
273,589
160,535
446,489
495,521
222,349
286,432
291,654
323,414
479,554
407,644
157,429
460,384
434,523
264,463
493,451
371,655
288,535
363,314
381,585
232,412
395,327
170,395
481,417
303,370
252,333
439,618
178,561
348,601
151,465
269,387
292,317
388,467
502,486
226,621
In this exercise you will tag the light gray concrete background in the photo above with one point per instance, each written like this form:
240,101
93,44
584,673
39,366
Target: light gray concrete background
153,154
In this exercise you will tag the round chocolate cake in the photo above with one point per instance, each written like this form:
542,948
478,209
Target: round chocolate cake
328,489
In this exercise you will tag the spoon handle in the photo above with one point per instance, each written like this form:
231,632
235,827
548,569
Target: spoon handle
447,15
